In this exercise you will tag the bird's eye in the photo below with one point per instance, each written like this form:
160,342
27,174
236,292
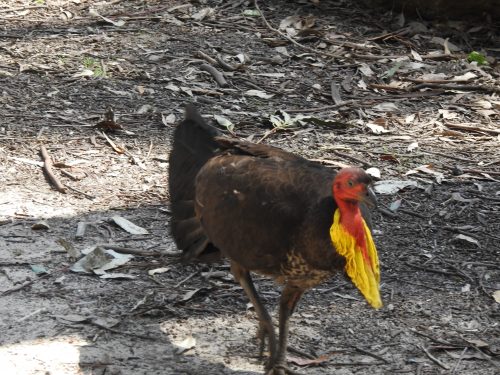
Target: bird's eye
350,183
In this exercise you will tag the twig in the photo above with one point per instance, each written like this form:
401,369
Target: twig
47,167
439,56
473,128
411,282
22,286
185,279
482,196
442,342
481,285
91,197
354,363
299,352
224,65
18,9
413,213
218,76
455,368
353,158
337,164
146,337
309,49
267,134
370,354
26,317
455,87
454,157
135,160
432,270
119,150
205,57
458,270
387,212
486,357
27,161
67,174
492,163
150,149
434,359
416,80
386,87
128,250
344,296
324,108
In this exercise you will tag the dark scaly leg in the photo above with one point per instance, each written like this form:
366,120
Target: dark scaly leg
290,296
266,328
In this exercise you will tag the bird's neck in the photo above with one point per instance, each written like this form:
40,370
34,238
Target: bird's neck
352,239
352,221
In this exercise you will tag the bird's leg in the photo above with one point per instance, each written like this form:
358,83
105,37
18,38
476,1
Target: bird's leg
290,296
266,327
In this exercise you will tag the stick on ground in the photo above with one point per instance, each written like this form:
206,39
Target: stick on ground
47,167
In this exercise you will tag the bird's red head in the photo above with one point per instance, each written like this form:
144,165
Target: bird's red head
351,186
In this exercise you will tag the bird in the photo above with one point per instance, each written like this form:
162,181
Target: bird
273,213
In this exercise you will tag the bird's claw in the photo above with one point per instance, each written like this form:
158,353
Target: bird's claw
282,370
266,330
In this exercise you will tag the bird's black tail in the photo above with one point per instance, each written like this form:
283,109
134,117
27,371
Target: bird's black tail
193,145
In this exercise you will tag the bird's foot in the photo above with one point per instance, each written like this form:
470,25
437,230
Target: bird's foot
266,331
280,369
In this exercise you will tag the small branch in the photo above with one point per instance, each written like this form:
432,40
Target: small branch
91,197
298,351
204,56
67,174
376,356
185,279
128,250
106,328
432,270
478,171
490,89
19,9
218,76
473,128
118,150
434,359
353,158
324,108
442,342
454,157
455,368
47,167
36,312
224,65
23,285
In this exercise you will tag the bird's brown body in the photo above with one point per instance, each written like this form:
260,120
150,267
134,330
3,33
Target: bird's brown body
267,210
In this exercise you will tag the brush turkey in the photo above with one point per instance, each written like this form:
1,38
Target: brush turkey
273,213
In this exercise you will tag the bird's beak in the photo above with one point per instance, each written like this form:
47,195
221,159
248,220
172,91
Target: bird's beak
370,199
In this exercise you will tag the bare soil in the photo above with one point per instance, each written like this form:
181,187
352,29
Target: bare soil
379,92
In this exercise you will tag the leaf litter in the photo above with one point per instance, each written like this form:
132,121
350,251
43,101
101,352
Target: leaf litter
324,85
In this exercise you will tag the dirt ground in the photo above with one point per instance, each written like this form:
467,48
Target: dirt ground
336,83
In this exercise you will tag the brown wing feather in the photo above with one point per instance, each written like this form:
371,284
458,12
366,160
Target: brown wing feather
256,210
256,149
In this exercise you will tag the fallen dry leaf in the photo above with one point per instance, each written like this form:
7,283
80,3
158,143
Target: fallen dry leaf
496,296
376,129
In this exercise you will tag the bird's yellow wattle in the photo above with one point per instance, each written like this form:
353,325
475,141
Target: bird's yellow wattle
363,270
